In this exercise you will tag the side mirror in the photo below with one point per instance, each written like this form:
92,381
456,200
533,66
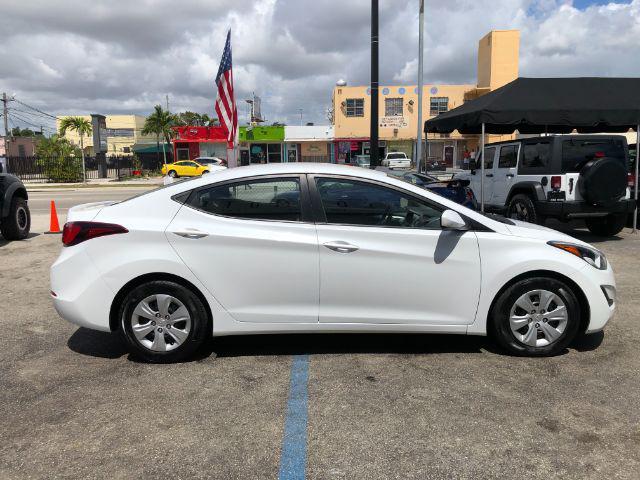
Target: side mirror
451,220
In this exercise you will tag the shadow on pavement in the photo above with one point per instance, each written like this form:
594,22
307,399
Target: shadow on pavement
4,242
110,345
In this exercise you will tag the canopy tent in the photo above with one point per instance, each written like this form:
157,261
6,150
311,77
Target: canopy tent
548,105
539,105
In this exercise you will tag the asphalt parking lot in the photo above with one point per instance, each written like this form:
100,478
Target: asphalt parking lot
76,405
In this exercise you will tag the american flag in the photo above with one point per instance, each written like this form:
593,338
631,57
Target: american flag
226,103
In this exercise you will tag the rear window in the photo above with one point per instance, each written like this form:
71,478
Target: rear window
576,153
396,156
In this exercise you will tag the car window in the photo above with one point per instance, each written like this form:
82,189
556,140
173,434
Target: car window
535,157
576,153
508,156
266,199
491,153
351,202
396,156
191,164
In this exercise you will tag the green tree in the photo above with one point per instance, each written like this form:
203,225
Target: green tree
59,159
160,124
189,118
22,132
82,127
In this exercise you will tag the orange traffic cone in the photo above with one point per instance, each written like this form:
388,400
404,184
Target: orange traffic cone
54,226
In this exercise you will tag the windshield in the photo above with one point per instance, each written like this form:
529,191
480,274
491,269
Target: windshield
576,153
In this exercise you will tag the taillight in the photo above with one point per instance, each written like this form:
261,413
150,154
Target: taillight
631,180
556,182
74,233
599,155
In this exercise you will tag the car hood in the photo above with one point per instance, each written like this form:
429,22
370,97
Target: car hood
531,230
87,211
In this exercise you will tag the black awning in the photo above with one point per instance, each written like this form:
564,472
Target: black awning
553,105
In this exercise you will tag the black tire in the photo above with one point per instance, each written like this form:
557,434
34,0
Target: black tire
200,329
499,323
606,226
172,174
521,207
603,181
17,224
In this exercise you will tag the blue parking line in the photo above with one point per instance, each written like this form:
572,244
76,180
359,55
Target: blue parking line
293,458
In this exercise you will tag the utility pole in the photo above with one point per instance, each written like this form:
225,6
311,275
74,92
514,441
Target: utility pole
373,140
5,115
167,102
300,116
420,86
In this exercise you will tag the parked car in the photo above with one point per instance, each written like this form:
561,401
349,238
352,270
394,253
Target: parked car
211,161
15,217
435,166
396,160
220,255
363,161
185,168
3,164
456,190
565,177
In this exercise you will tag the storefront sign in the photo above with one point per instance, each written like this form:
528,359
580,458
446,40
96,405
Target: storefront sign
393,122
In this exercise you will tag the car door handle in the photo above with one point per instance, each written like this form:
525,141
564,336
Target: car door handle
509,175
191,233
340,246
489,175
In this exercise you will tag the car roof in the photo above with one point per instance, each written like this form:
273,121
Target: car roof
287,169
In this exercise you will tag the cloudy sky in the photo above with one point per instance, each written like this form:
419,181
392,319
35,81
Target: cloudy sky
124,56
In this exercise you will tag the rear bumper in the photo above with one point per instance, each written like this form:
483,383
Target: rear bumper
569,210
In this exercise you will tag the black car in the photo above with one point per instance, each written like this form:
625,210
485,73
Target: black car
15,218
456,190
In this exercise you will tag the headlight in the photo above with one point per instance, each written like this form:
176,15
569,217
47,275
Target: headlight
593,257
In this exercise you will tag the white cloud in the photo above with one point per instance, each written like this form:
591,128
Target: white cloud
123,56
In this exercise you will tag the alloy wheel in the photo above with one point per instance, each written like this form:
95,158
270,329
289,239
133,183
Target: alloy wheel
161,323
538,318
520,212
22,218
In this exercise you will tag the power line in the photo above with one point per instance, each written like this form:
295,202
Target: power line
26,112
34,108
29,123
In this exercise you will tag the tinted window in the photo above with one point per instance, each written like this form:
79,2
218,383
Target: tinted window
536,156
508,156
491,153
272,199
396,155
360,203
576,153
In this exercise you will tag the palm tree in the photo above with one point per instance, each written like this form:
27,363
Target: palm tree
160,123
82,127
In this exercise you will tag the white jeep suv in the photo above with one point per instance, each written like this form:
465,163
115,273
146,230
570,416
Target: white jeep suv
564,177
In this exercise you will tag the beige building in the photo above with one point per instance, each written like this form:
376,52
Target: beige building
123,132
498,54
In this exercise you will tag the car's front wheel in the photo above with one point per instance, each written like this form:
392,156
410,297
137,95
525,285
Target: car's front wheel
535,317
17,224
173,174
163,321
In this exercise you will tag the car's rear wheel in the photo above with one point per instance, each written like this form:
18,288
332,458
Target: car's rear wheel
163,321
17,224
606,226
173,174
535,317
521,207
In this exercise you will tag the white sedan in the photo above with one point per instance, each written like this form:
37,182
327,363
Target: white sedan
320,248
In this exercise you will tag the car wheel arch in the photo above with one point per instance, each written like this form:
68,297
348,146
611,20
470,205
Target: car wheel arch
585,313
532,189
114,321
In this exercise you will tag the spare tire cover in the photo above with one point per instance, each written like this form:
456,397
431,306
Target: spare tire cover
603,181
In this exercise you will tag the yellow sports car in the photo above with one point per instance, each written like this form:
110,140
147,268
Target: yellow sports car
184,168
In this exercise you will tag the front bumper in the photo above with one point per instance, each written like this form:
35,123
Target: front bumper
569,210
600,309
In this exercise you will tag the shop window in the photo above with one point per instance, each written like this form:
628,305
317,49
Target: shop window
393,107
120,132
438,105
268,199
274,151
355,107
349,202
